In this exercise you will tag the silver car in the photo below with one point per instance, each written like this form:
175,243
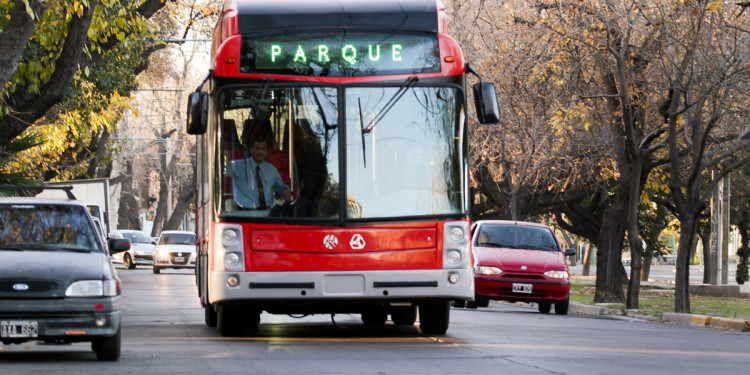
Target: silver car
57,284
175,249
141,251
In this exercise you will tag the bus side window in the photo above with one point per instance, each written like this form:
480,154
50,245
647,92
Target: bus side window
232,150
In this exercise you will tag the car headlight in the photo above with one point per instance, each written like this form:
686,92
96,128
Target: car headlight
557,274
139,252
486,270
92,288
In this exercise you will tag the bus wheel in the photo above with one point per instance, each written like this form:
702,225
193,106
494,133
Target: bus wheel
233,321
374,318
209,315
434,317
404,315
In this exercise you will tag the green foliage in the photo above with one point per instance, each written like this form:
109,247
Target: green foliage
98,93
13,171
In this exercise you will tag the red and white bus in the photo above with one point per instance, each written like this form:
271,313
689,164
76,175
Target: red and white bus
359,110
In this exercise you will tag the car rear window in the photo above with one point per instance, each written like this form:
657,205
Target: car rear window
46,227
516,237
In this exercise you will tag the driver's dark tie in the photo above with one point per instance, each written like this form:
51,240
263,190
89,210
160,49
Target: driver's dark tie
261,193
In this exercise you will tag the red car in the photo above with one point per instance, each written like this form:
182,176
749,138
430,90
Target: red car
520,262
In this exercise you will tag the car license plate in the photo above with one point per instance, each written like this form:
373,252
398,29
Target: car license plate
522,288
179,259
19,328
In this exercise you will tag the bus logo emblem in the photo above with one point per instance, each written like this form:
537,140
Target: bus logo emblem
357,242
330,241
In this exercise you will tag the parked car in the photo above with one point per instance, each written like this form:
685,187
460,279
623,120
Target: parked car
57,284
141,248
174,249
520,262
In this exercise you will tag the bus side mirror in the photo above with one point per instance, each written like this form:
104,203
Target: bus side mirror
197,113
485,101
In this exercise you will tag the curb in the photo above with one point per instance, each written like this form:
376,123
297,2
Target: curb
588,309
715,322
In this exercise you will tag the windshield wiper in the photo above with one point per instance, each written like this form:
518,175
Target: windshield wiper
386,108
389,104
362,131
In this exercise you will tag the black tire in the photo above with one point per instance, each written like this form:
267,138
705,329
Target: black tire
233,321
404,315
545,307
471,304
157,270
127,260
459,303
209,315
482,301
107,348
561,307
374,318
434,317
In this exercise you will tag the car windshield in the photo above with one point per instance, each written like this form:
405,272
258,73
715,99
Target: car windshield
177,239
46,227
137,237
516,237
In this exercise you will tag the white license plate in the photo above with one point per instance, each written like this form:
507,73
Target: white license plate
179,259
522,288
19,328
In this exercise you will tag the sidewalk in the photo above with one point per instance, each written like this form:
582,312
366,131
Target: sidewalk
666,285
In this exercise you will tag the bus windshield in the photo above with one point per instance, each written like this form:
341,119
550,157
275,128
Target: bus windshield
280,152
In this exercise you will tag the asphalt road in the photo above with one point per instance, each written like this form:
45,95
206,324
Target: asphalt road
163,333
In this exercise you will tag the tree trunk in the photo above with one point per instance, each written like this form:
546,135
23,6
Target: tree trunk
127,214
634,284
587,259
183,205
647,260
682,280
706,241
608,256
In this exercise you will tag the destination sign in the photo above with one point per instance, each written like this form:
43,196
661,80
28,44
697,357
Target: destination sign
340,55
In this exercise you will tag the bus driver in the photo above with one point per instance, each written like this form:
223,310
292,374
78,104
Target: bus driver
254,179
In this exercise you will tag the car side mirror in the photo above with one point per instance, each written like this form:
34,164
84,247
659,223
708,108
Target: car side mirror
118,245
197,113
570,252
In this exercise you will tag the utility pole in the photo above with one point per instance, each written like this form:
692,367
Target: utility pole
715,232
725,230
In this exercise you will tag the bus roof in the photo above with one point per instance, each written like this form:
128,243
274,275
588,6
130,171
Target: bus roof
406,15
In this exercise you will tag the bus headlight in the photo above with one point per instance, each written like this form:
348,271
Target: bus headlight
229,247
231,260
456,244
454,257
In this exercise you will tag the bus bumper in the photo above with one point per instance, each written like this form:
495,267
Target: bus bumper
363,286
